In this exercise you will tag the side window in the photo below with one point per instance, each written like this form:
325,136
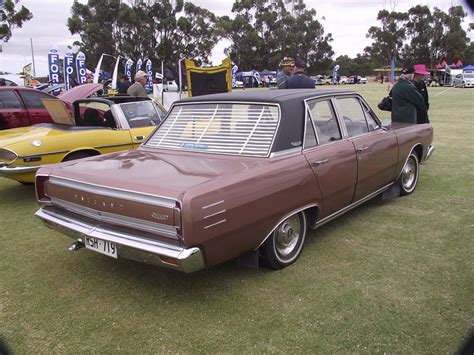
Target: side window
33,99
310,137
353,115
325,122
8,99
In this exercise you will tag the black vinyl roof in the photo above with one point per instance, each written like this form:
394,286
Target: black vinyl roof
291,102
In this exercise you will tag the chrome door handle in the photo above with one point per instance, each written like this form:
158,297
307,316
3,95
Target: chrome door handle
319,162
361,149
139,138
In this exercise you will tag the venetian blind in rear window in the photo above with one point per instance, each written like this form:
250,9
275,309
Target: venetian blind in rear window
219,128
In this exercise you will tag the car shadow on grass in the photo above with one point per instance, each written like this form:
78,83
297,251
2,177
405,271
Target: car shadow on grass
12,192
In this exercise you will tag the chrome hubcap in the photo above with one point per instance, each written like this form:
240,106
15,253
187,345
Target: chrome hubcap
287,236
409,174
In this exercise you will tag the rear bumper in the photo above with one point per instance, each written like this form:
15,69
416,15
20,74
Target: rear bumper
129,246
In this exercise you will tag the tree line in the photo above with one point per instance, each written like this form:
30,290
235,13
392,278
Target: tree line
261,33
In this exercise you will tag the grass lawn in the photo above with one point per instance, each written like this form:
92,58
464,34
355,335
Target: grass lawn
391,276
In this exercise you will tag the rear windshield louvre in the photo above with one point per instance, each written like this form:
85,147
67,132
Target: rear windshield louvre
219,128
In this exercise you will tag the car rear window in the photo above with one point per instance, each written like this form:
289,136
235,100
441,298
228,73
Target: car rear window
220,128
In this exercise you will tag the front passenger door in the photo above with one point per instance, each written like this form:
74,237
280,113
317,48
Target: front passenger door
376,148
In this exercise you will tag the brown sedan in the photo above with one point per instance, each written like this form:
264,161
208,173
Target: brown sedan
226,176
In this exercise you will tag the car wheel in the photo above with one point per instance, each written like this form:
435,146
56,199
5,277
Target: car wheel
409,177
284,246
77,155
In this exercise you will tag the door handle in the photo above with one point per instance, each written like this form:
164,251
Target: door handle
139,138
361,149
319,162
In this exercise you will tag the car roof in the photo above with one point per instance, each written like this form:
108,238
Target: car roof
291,102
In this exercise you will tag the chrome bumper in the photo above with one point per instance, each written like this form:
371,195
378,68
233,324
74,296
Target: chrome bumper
129,246
430,151
6,170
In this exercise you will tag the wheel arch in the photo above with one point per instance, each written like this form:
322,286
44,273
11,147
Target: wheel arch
311,210
89,151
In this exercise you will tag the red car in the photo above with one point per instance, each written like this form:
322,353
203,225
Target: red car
21,106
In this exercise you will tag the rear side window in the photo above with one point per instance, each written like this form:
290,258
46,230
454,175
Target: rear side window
353,115
325,122
33,99
8,99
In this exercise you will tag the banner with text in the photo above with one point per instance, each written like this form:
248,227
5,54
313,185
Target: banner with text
149,76
68,69
128,68
53,65
139,65
81,68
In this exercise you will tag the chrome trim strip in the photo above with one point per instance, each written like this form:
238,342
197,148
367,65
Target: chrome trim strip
213,204
113,192
351,206
430,151
5,170
113,145
215,214
114,218
130,246
43,154
286,216
215,224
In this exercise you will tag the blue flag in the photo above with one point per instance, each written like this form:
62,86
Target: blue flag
81,68
68,69
53,65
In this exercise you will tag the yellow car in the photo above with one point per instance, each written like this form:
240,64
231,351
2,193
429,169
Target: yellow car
96,126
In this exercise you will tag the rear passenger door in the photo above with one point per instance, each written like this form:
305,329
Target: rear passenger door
35,107
332,158
376,148
12,112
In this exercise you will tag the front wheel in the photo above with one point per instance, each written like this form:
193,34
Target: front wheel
284,246
409,177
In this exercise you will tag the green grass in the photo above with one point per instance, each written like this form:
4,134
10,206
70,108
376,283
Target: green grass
390,276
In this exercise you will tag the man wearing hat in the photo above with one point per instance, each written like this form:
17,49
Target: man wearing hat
406,99
299,80
138,87
419,72
284,74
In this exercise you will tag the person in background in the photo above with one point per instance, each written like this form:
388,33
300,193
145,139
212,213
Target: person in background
406,99
123,85
284,74
418,75
381,78
299,80
2,82
138,87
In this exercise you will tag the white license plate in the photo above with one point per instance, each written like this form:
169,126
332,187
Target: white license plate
101,246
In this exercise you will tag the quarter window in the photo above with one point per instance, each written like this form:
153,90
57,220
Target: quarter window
353,115
8,99
325,122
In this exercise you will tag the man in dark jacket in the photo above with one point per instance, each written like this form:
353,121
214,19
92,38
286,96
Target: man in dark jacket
123,84
299,80
406,99
287,68
418,75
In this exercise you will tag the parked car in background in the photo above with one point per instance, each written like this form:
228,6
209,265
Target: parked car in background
7,82
233,175
20,107
361,80
343,80
464,80
98,126
318,79
81,92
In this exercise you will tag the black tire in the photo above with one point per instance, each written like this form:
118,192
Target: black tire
284,245
409,177
78,155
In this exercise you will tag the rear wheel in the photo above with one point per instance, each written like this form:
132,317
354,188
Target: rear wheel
409,177
284,246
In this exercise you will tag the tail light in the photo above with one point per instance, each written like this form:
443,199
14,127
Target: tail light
41,189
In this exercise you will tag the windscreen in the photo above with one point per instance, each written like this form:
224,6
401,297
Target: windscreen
222,128
142,113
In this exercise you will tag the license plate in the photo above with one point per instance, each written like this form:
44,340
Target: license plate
101,246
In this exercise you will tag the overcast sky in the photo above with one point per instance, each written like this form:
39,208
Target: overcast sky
347,20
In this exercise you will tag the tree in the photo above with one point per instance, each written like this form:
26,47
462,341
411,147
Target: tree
9,18
152,29
388,39
419,29
263,32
